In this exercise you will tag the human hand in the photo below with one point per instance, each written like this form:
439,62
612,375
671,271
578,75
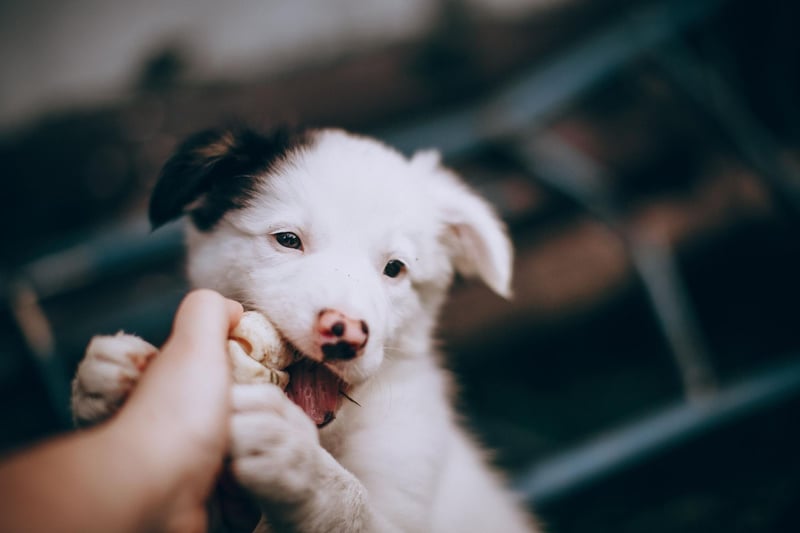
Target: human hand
152,466
176,420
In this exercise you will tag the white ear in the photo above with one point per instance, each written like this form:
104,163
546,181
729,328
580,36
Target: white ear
474,235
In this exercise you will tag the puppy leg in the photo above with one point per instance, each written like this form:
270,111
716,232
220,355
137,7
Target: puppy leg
277,456
106,375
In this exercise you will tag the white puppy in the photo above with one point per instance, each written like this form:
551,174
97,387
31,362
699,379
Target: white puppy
349,248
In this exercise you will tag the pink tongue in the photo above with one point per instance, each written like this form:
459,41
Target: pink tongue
315,389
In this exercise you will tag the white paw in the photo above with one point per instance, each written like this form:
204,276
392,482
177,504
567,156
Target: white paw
107,374
274,445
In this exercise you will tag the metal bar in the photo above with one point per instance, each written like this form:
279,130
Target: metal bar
572,173
669,298
631,445
38,336
703,83
127,246
542,91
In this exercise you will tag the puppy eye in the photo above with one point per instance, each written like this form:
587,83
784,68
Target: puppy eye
287,239
394,268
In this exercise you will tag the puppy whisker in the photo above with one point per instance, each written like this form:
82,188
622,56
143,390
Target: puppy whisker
349,398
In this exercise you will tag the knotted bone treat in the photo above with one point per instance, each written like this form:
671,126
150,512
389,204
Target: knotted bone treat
257,353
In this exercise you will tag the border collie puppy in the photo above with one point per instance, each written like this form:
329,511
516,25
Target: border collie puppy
348,248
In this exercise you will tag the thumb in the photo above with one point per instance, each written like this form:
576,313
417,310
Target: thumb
187,382
201,327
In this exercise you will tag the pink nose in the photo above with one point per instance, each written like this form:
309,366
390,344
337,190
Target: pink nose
340,337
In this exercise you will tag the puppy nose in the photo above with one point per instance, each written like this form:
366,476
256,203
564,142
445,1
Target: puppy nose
340,336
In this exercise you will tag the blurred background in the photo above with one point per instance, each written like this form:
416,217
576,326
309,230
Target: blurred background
645,154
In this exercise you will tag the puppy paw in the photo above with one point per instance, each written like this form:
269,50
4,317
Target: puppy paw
107,374
274,446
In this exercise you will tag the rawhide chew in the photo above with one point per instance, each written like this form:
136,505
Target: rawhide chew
257,353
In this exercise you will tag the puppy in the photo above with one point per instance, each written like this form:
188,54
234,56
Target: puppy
349,249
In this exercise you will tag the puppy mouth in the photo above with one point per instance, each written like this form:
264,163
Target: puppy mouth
315,388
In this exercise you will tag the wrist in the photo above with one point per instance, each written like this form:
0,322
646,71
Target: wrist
84,481
166,491
135,471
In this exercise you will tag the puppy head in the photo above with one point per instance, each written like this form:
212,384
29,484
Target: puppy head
339,240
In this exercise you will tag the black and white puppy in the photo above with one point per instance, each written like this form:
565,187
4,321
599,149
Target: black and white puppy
349,249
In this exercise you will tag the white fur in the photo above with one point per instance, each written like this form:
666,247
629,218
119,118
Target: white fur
399,461
106,375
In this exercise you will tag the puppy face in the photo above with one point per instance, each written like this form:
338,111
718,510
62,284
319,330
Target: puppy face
344,244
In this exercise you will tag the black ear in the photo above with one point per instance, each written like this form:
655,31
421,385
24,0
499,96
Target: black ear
215,171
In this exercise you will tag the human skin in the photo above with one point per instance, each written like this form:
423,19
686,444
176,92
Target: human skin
153,465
